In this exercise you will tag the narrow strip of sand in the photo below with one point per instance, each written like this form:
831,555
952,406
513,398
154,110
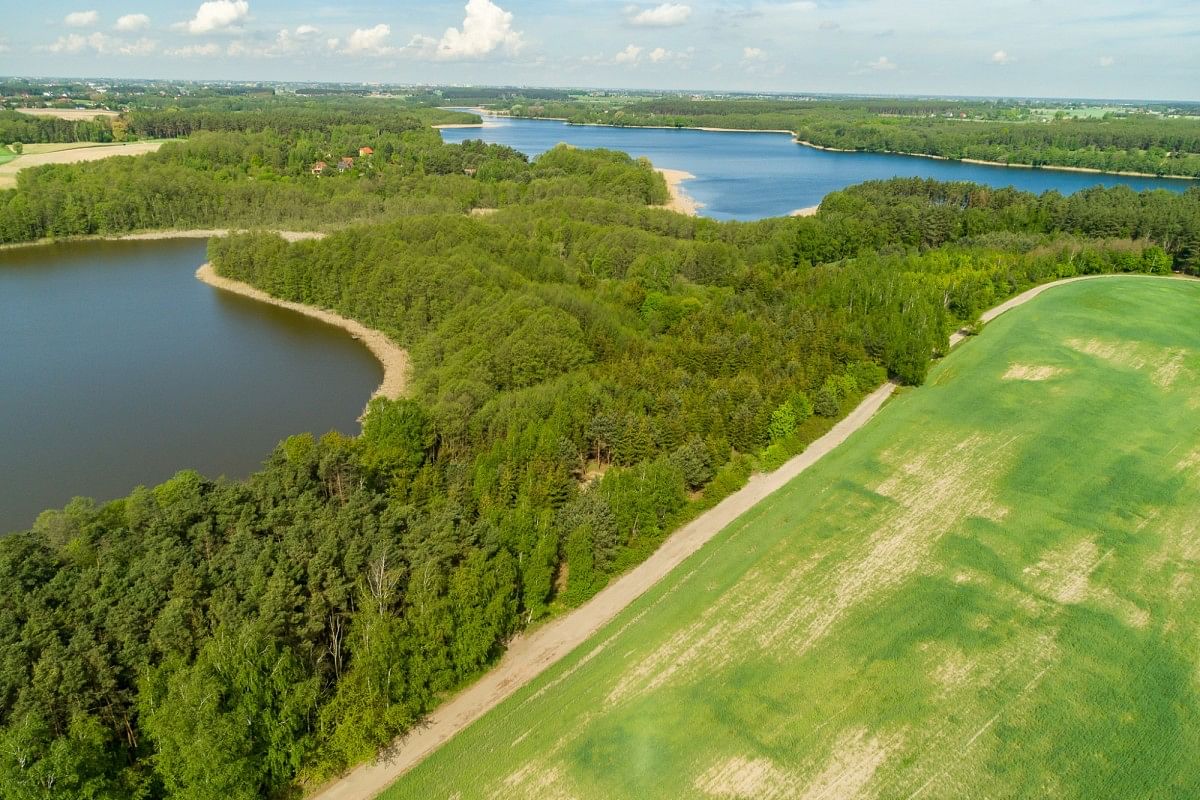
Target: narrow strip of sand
395,360
681,201
530,655
807,211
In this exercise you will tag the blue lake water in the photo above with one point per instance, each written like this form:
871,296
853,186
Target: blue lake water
755,175
118,368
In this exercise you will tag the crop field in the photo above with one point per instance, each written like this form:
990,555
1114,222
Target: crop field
991,591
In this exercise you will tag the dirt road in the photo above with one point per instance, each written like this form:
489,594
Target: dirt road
528,656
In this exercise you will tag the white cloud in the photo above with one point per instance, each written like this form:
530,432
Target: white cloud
369,41
142,47
81,19
217,15
196,51
486,29
1107,61
663,16
629,55
102,43
4,46
133,22
881,64
828,25
307,30
661,55
71,43
753,54
1001,57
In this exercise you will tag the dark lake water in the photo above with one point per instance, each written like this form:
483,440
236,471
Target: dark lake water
118,368
755,175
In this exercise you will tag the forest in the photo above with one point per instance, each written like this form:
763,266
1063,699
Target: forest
589,372
1154,145
183,117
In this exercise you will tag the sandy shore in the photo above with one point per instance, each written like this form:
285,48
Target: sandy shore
1058,168
449,125
809,211
681,201
395,360
8,172
1055,167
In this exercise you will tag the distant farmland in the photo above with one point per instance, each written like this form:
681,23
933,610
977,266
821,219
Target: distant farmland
990,591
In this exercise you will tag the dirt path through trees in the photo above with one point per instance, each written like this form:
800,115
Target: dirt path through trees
529,656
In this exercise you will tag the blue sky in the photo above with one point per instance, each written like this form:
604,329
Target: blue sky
1102,48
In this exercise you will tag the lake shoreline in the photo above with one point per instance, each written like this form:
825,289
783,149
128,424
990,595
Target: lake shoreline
138,236
681,201
394,359
799,141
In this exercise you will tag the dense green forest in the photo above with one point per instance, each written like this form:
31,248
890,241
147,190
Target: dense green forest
1133,143
589,372
182,118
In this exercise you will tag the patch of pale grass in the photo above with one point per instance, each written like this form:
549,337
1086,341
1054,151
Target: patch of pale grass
789,604
1028,372
1065,574
745,779
855,759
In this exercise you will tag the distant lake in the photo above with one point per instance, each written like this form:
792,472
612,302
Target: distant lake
755,175
120,368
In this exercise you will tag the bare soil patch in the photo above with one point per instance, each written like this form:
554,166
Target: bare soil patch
69,113
8,172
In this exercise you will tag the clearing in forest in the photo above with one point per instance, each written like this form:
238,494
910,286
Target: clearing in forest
990,590
36,155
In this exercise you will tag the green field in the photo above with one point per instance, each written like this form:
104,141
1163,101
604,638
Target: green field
989,591
6,154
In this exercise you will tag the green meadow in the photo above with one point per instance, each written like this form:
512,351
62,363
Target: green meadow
989,591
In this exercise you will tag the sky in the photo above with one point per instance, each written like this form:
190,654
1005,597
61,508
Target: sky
1147,49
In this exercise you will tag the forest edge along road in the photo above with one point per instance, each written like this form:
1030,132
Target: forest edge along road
529,656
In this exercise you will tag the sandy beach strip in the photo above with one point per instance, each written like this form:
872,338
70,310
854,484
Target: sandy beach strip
808,211
394,358
449,125
681,201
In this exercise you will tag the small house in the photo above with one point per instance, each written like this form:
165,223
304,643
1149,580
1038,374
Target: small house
319,167
346,163
469,172
363,152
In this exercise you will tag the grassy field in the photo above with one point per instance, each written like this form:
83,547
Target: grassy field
989,591
6,154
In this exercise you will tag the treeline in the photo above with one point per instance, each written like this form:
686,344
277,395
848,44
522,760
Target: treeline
289,119
30,129
232,179
240,114
1152,145
589,373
